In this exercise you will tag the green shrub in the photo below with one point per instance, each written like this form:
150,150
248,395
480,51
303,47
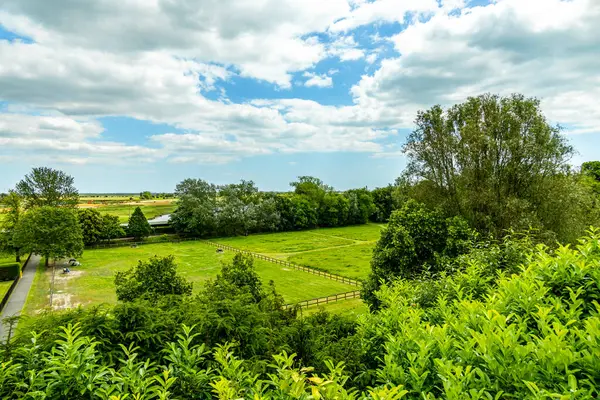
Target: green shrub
10,271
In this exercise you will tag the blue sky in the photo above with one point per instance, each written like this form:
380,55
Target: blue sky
128,96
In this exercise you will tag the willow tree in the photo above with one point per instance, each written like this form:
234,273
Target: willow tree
496,161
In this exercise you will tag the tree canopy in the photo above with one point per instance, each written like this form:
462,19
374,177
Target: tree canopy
50,231
14,206
138,225
155,277
48,187
492,160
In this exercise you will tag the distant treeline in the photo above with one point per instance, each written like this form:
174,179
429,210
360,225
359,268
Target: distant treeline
205,209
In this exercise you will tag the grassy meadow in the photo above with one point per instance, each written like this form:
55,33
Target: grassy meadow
150,208
343,251
92,282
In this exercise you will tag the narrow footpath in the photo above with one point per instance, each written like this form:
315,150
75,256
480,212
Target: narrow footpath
19,295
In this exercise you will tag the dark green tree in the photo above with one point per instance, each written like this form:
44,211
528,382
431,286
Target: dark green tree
48,187
416,242
91,224
14,210
491,158
138,225
238,276
50,231
591,170
111,227
146,195
149,279
196,212
383,200
360,206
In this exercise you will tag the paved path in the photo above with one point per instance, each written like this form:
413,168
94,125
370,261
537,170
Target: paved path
19,295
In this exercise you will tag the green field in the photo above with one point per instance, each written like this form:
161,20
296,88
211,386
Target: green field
343,251
92,282
123,211
351,307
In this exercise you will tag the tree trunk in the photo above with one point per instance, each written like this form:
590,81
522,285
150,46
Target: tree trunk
17,257
47,261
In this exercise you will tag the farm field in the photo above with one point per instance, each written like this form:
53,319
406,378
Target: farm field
92,282
150,208
343,251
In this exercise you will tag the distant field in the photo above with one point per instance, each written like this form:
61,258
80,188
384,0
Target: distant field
150,208
92,282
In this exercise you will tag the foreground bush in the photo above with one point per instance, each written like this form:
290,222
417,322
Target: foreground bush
531,335
537,336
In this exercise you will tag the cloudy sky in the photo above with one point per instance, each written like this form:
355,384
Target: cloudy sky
130,95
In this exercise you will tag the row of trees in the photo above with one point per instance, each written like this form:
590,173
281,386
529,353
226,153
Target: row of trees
205,209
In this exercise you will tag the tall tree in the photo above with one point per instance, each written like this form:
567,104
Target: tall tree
14,209
196,208
48,187
138,225
91,224
591,170
492,157
111,227
50,231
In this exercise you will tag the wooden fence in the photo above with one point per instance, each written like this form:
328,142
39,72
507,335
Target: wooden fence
325,300
288,264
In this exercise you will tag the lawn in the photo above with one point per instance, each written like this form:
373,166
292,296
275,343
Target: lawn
352,307
4,286
284,242
92,282
345,251
352,261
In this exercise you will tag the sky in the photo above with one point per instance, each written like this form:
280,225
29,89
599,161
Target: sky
132,95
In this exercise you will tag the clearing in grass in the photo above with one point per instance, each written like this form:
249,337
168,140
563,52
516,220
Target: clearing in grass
93,281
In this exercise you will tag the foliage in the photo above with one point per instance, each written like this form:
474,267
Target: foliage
493,160
238,276
240,209
50,231
146,195
9,271
111,227
383,200
13,202
92,225
530,337
48,187
155,277
591,170
138,225
417,241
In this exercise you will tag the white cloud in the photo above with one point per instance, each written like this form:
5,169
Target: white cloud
346,48
318,80
264,39
543,48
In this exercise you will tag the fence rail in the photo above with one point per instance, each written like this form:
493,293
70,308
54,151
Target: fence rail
325,300
285,263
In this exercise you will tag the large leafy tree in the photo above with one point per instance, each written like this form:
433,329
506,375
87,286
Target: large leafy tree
493,159
48,187
50,231
14,209
155,277
138,225
591,170
196,208
383,200
416,242
111,227
238,203
91,224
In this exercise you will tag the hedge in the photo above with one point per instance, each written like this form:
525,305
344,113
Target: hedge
9,271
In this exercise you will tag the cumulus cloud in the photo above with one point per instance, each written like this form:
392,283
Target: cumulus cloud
158,60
